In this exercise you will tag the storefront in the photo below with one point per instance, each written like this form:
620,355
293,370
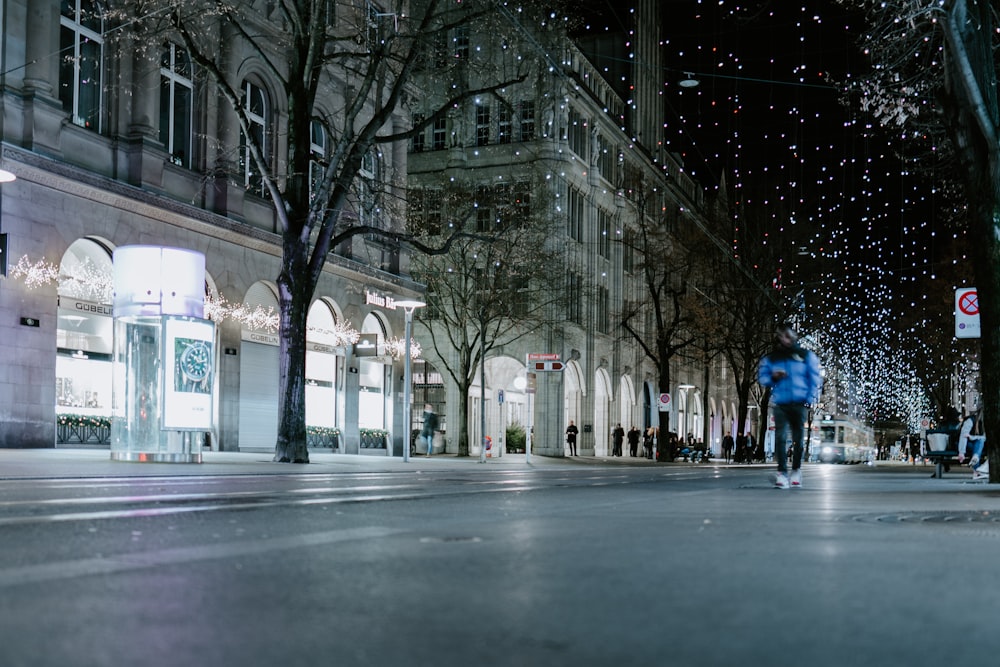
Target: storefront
324,377
374,384
83,345
258,409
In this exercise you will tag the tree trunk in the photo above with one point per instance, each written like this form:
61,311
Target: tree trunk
983,211
294,295
463,418
663,440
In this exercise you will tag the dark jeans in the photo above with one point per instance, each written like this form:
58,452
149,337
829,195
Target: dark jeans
787,417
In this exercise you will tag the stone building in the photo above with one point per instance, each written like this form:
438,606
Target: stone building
110,149
581,140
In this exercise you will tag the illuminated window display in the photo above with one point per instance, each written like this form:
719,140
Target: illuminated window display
372,404
371,397
164,359
322,406
83,345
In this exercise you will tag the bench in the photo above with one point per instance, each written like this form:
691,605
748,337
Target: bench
939,451
942,459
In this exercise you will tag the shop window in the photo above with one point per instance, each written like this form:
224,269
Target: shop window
373,385
322,362
84,344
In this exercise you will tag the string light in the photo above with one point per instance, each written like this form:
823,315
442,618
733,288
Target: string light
35,274
854,222
396,347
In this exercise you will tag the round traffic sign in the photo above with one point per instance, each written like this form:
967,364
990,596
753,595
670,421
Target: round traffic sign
968,303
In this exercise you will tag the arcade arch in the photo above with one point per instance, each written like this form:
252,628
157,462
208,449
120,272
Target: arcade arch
84,333
258,375
602,412
375,378
502,374
573,392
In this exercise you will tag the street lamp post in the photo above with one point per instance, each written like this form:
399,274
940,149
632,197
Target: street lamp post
408,308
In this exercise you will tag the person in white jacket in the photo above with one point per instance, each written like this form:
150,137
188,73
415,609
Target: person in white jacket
973,437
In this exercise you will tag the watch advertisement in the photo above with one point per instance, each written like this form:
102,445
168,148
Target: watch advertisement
189,359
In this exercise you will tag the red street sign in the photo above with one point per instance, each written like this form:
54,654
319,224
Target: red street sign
548,365
968,303
542,356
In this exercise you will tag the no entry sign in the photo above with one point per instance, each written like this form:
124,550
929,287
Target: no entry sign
966,312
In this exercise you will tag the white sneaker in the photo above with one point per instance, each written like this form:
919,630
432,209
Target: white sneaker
977,475
796,479
780,480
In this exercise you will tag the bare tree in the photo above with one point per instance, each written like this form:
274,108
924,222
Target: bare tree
348,67
493,287
745,303
661,323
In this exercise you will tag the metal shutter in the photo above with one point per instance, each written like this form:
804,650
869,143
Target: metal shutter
258,397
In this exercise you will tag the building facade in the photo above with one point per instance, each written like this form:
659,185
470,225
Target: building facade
109,150
582,140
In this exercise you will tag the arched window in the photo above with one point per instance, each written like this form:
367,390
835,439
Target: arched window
176,103
81,44
370,190
258,115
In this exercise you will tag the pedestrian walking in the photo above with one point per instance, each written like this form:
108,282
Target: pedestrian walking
430,425
727,447
647,442
795,378
617,437
633,441
571,433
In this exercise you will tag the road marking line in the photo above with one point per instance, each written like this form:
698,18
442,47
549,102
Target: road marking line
30,574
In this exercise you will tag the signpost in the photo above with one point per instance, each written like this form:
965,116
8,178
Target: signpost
664,402
966,313
537,362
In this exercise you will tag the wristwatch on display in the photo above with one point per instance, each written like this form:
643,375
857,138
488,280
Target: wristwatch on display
196,363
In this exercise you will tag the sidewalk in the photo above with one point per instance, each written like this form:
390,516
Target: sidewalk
96,462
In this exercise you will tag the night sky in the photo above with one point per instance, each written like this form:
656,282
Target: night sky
859,218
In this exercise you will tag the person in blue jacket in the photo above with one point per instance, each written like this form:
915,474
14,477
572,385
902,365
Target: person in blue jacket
795,378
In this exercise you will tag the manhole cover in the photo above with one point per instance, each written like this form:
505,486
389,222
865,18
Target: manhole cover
951,518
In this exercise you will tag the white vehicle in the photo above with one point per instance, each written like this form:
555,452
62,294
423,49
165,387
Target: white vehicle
845,440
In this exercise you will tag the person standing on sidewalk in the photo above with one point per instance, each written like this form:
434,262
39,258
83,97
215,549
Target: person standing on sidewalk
571,433
633,441
617,437
795,379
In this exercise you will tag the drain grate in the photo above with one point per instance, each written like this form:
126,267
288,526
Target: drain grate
950,518
451,539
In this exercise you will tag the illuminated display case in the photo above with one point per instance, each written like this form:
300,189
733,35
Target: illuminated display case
163,370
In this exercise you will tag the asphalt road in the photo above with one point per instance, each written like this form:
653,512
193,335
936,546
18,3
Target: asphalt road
462,565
